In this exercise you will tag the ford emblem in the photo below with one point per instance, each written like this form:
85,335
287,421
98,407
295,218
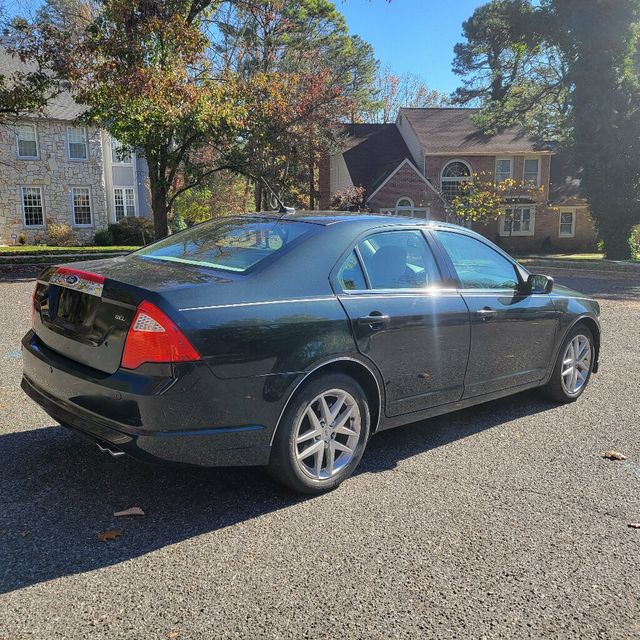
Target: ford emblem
71,280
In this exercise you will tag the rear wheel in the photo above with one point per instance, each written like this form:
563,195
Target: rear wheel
573,368
322,435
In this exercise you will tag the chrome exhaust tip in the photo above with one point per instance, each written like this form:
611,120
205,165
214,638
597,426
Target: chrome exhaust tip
113,452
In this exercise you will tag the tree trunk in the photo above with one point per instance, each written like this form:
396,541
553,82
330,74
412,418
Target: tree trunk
312,180
159,204
160,215
616,237
160,209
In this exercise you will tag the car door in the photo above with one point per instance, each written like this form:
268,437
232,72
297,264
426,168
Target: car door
512,331
405,318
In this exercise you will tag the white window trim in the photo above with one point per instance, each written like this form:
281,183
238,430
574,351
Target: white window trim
574,214
398,211
73,207
86,144
117,163
539,177
35,133
135,202
505,233
456,178
404,206
510,161
21,189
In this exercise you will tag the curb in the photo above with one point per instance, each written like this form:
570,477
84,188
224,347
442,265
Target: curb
601,266
56,258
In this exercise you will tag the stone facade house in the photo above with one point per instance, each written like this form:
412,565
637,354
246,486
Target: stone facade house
415,165
54,169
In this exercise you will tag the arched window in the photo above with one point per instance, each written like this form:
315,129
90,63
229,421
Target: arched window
404,203
406,206
453,175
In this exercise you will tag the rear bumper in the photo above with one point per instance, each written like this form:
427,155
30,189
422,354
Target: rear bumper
152,418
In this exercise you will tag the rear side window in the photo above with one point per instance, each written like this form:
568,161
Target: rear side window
478,266
350,275
399,260
234,245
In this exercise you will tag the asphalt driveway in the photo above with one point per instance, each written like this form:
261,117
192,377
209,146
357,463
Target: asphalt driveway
497,521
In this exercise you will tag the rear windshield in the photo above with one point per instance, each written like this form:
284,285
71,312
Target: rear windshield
231,245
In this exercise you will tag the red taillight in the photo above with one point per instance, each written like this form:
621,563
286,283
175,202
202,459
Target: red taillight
153,337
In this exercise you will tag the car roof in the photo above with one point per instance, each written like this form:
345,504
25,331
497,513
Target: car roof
326,218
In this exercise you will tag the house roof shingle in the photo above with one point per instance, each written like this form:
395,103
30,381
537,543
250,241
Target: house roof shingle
451,130
61,107
371,152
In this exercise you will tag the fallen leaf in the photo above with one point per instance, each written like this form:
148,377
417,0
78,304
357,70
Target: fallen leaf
133,511
614,455
109,534
634,525
173,634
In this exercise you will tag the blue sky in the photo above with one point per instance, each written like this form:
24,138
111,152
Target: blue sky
414,36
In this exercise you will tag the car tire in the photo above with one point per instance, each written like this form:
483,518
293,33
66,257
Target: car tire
328,419
567,383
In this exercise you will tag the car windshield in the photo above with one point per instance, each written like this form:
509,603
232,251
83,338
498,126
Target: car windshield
234,244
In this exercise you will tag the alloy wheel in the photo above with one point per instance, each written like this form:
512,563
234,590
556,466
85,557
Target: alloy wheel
576,364
327,434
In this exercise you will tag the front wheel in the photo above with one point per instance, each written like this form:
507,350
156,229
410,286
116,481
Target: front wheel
572,370
322,435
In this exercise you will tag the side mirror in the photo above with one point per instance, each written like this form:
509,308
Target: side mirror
537,283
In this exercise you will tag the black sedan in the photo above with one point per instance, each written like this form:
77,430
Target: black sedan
288,341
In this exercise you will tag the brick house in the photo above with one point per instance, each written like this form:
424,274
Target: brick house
54,169
412,167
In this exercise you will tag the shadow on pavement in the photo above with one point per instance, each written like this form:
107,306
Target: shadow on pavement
58,491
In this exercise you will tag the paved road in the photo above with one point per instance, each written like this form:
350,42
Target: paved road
498,521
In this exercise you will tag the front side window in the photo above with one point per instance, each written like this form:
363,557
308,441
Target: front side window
478,266
234,244
399,260
124,202
32,209
567,224
27,141
503,169
119,153
453,176
518,221
532,172
350,274
81,197
77,140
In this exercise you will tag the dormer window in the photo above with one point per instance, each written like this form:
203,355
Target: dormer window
454,174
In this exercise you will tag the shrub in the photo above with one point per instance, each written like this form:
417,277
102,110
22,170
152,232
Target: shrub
22,239
350,199
132,231
103,238
635,240
61,235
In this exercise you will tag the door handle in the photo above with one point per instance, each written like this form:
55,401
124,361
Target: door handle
375,320
487,313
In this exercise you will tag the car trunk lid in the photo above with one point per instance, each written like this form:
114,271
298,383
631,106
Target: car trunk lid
83,316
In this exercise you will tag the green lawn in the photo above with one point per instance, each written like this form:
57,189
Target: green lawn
44,249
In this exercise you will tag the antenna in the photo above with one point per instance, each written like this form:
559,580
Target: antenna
283,209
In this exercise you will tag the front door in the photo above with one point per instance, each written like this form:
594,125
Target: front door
415,330
512,332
